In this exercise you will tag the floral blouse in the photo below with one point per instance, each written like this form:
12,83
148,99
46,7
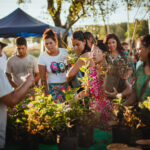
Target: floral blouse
100,103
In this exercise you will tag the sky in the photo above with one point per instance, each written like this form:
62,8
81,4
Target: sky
38,9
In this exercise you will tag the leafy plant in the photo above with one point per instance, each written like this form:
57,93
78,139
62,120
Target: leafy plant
126,115
117,66
47,117
72,58
17,120
144,111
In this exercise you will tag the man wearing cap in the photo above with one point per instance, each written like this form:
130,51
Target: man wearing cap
19,65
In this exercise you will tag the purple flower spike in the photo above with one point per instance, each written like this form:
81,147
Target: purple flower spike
14,109
24,106
55,102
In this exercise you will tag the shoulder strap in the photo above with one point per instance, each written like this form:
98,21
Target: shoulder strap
144,88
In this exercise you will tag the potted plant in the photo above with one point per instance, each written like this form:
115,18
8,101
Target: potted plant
17,125
115,72
48,117
144,115
126,122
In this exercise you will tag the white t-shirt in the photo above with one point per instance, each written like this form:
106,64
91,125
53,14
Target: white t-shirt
20,67
55,65
3,61
5,87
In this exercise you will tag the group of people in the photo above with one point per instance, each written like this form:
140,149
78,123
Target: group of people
21,71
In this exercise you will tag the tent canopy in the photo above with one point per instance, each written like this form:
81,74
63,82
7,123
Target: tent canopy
19,23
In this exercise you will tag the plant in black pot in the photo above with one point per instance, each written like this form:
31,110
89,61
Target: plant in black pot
144,114
126,121
67,138
115,73
17,126
86,125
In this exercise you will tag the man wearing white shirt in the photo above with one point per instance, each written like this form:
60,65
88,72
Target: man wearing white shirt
11,97
3,107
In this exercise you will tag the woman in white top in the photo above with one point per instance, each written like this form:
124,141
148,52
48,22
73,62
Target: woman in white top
3,58
53,62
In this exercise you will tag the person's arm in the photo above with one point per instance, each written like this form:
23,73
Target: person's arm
131,99
36,70
18,94
13,84
42,70
36,76
127,91
82,94
76,67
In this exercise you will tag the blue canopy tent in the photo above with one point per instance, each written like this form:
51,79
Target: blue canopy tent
19,23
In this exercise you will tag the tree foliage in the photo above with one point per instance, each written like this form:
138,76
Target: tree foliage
119,29
77,9
105,8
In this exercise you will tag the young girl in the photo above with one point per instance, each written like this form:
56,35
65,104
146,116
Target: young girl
53,62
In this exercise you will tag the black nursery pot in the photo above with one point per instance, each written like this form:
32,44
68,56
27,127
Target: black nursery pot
121,134
85,136
30,142
68,143
145,132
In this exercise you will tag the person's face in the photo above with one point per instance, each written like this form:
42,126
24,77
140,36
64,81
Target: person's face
78,46
21,50
112,44
97,54
50,45
143,53
125,47
138,47
90,42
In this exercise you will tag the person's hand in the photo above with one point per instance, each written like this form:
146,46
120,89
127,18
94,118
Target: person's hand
78,96
112,94
29,79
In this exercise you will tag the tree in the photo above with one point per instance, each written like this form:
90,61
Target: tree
105,8
77,9
135,4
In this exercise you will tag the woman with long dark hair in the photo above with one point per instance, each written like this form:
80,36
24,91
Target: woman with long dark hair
82,49
142,74
114,45
116,58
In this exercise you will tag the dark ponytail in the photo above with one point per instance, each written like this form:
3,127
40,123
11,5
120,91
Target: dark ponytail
79,35
49,33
